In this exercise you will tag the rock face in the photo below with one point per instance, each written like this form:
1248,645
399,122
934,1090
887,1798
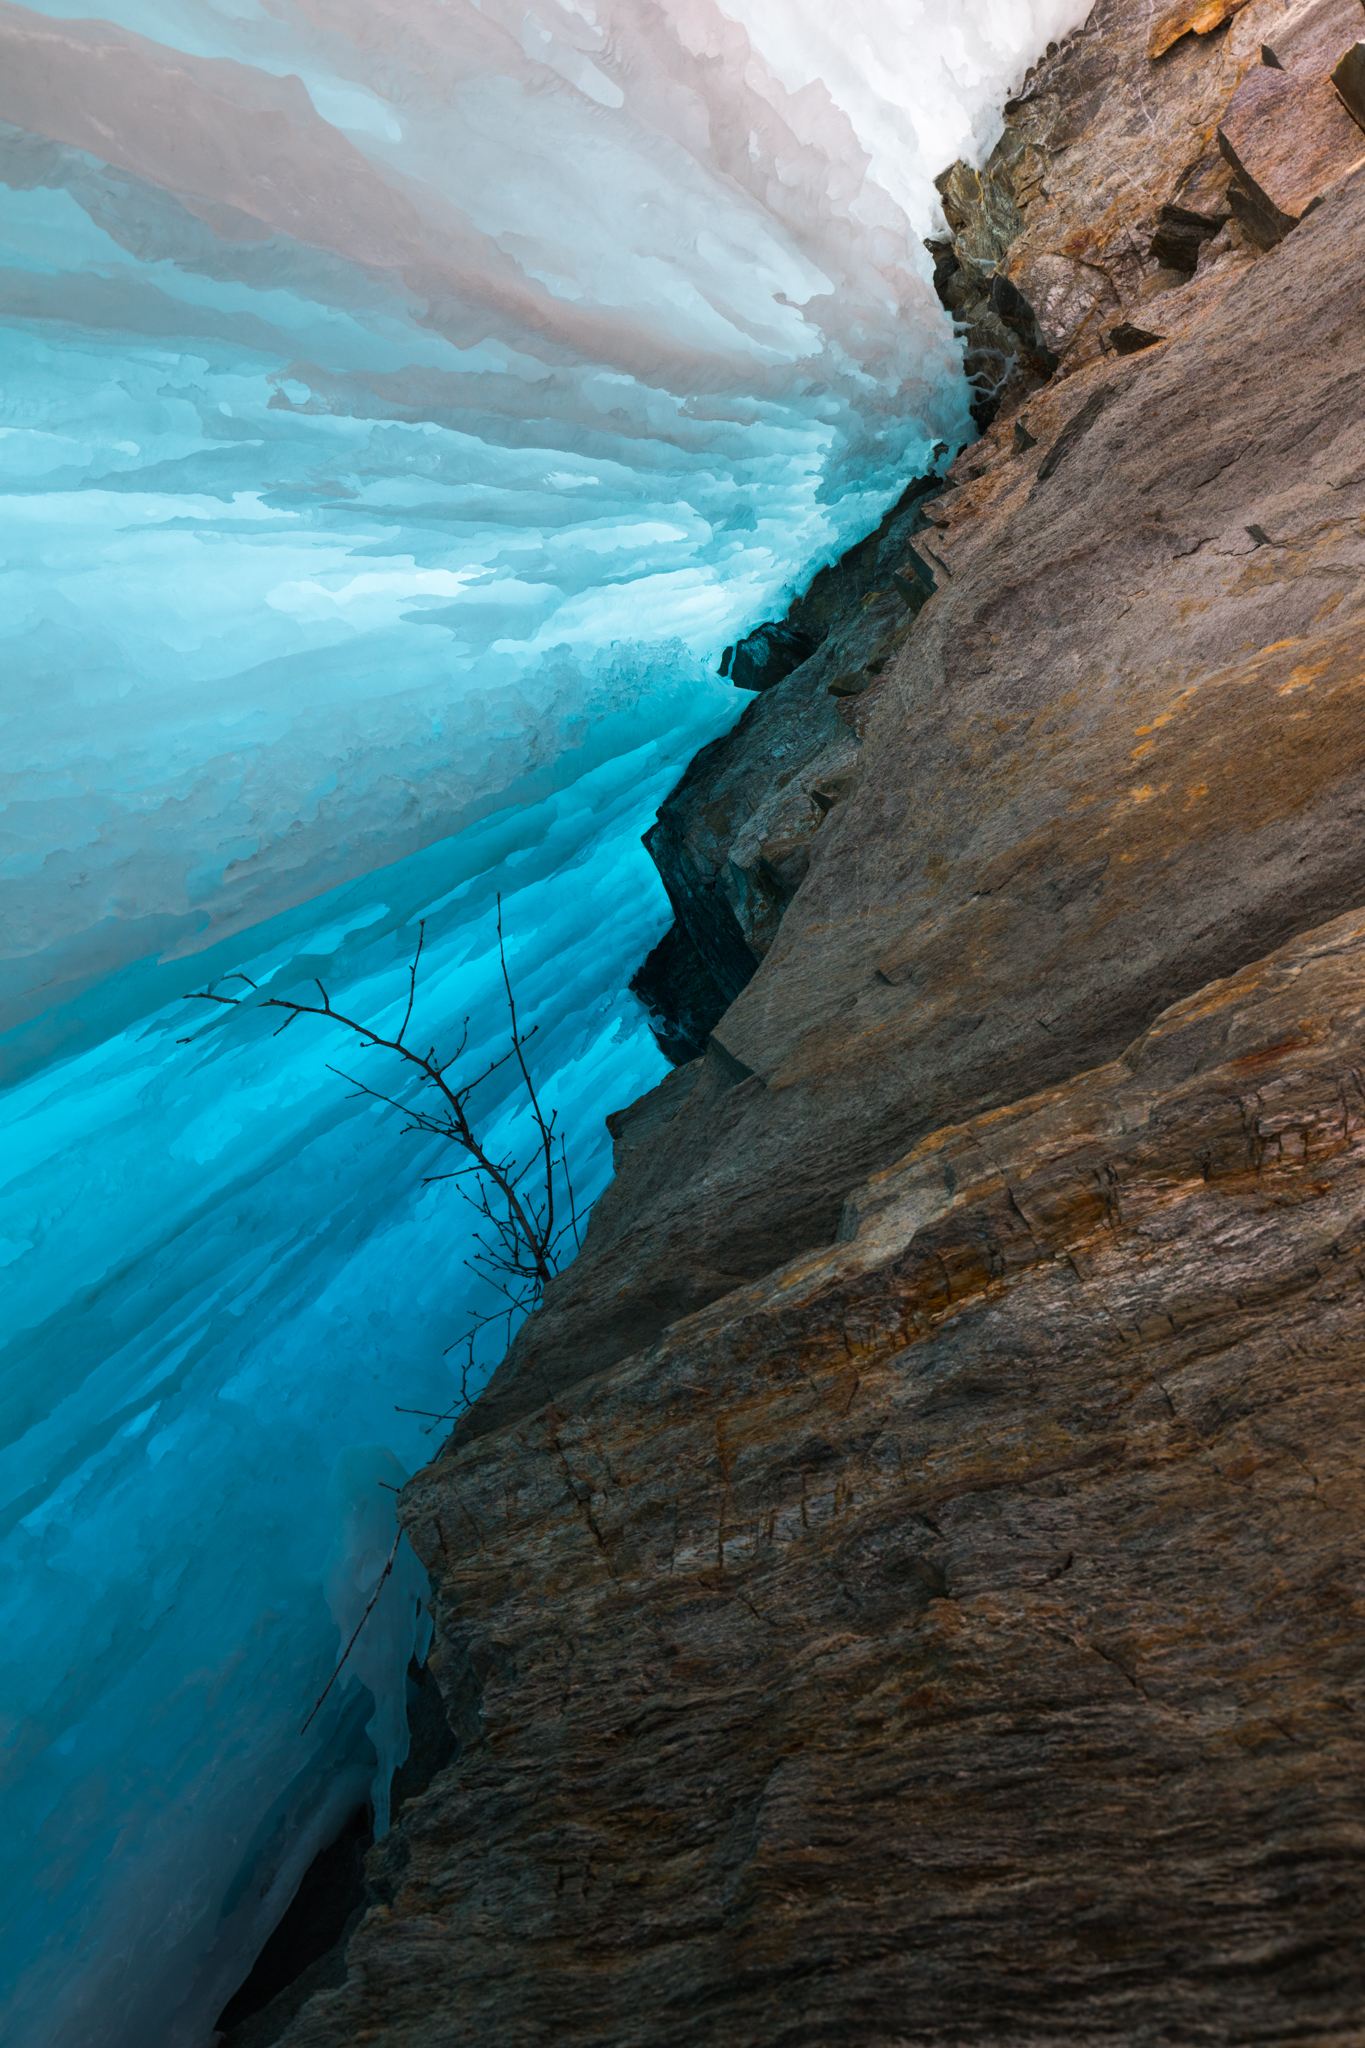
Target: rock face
1106,152
733,842
1118,755
903,1587
956,1637
1288,140
1186,17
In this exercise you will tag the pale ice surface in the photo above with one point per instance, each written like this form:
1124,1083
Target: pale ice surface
400,407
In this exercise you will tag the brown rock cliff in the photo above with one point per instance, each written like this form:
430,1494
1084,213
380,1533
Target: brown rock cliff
904,1586
1119,755
955,1637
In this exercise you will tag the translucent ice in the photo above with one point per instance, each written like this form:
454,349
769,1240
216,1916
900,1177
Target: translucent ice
400,407
376,1592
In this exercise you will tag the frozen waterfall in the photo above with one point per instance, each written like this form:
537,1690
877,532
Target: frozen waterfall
400,407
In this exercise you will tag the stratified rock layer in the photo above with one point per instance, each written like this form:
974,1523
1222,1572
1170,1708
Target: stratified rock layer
956,1638
733,842
903,1587
1121,753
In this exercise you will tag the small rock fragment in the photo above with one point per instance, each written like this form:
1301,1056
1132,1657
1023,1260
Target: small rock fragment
914,578
1288,139
1073,432
769,654
1127,339
1349,80
1181,234
835,789
1203,186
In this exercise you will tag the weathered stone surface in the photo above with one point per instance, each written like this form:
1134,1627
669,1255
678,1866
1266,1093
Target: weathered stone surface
1128,340
1085,205
771,853
1180,236
1122,753
1072,434
903,1588
1005,346
1288,140
955,1638
733,840
768,655
1197,17
725,913
1076,250
1138,135
1117,139
1311,36
683,999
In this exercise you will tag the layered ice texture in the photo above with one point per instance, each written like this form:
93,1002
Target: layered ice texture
400,407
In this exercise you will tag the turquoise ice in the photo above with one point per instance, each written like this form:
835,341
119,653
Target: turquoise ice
400,408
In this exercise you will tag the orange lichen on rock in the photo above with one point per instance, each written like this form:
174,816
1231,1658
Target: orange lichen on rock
1189,17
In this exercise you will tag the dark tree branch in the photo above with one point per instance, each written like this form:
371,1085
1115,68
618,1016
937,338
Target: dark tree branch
535,1233
519,1251
524,1243
412,980
351,1645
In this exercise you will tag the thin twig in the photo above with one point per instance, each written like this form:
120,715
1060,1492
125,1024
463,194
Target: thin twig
412,978
518,1253
351,1645
537,1241
519,1250
546,1130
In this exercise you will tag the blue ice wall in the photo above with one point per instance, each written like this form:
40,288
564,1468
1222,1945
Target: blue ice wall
400,406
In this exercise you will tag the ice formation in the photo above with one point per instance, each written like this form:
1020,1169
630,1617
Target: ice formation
400,407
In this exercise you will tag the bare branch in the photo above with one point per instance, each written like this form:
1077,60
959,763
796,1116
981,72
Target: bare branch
526,1076
351,1645
517,1243
412,978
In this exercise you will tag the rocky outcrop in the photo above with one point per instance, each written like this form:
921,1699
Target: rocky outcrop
955,1637
1112,178
1117,756
902,1586
1189,17
1006,350
768,655
733,842
1099,255
1288,139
